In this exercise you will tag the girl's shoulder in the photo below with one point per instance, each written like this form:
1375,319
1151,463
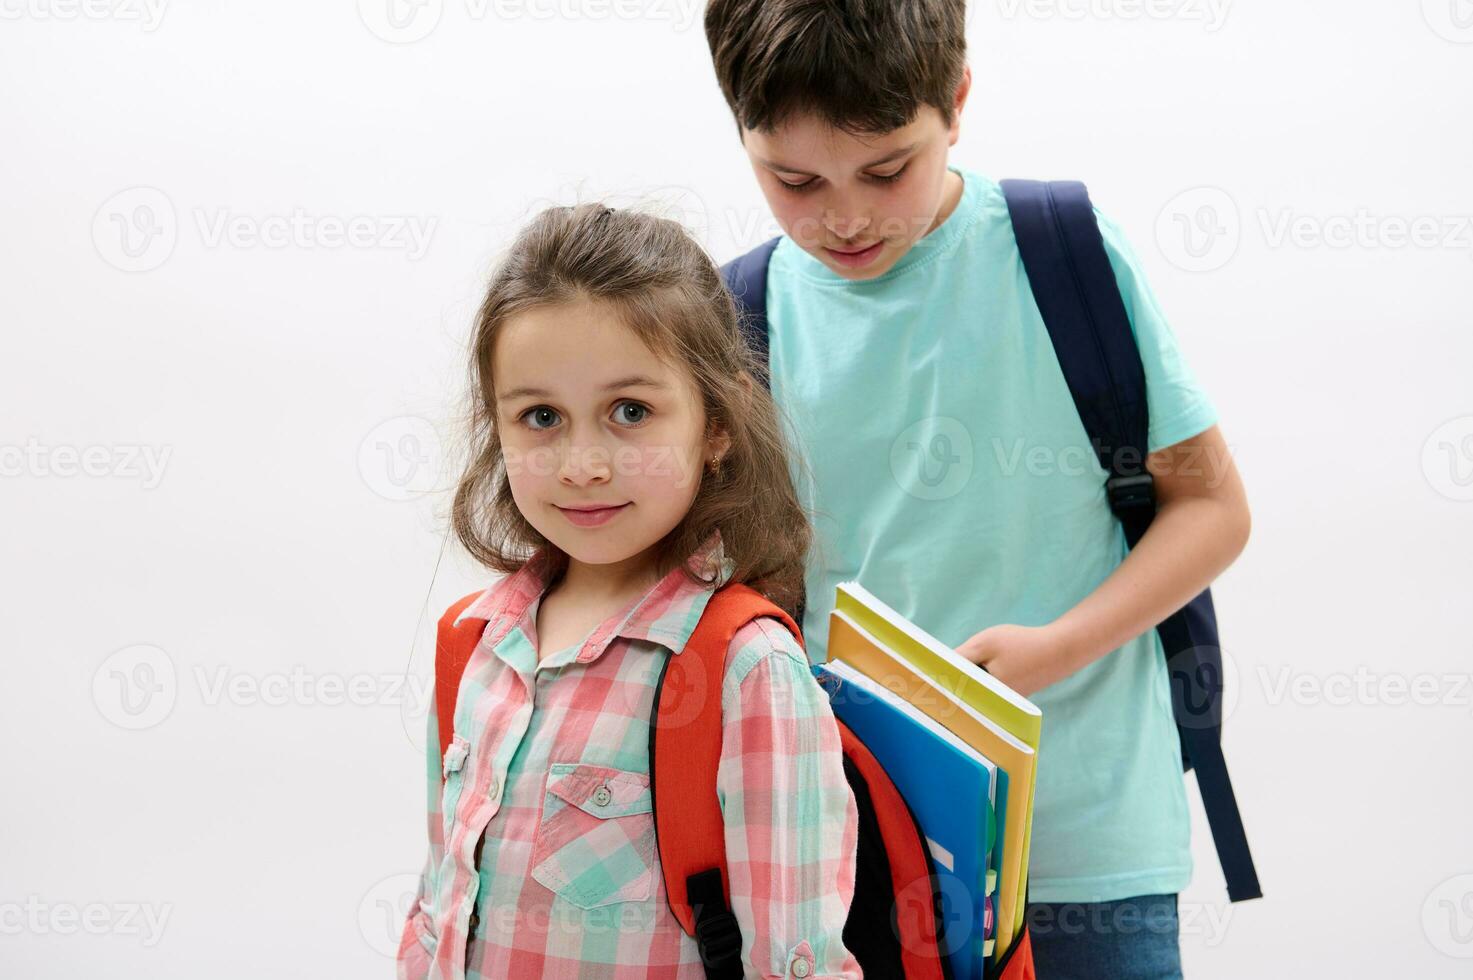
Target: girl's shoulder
765,638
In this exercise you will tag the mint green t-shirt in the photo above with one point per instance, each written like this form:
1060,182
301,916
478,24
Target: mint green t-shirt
938,448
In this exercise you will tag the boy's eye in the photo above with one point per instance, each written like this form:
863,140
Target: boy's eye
811,182
889,178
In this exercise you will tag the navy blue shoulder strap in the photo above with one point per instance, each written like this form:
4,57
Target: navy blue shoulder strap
1074,285
746,277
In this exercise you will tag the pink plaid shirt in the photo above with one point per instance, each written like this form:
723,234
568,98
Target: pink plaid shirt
542,859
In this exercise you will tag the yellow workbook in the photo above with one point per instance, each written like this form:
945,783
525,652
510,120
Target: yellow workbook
992,718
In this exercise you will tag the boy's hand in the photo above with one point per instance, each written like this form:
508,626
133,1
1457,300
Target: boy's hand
1201,525
1025,658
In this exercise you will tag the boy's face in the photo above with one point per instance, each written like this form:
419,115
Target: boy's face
588,416
858,204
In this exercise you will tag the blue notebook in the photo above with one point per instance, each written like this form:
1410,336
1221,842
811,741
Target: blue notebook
952,789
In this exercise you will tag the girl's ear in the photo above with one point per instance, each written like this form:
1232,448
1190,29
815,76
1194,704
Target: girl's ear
718,440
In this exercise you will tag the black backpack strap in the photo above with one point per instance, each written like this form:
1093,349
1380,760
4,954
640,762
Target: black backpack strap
1074,286
718,934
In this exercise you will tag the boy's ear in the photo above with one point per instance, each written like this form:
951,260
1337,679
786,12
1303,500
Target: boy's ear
963,88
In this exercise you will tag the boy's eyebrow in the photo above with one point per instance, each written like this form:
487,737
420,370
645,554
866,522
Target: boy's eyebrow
633,381
893,155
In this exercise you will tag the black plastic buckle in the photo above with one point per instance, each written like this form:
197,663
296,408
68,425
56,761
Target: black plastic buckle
719,939
1129,492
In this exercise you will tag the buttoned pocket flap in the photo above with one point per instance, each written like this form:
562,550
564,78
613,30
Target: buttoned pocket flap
600,791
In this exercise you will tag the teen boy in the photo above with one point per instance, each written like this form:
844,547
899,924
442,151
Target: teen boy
946,466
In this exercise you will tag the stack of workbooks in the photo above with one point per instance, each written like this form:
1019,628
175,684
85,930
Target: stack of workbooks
960,746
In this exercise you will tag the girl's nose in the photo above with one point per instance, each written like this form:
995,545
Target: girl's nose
584,465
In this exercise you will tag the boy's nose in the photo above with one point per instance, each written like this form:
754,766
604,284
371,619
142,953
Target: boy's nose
844,228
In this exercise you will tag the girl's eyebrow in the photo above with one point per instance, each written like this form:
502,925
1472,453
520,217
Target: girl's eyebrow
633,381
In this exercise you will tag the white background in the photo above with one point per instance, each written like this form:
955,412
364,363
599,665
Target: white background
298,402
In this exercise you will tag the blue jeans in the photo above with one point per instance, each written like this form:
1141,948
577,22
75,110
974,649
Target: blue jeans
1131,939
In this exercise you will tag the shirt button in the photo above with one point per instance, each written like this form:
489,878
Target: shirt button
493,788
602,796
800,969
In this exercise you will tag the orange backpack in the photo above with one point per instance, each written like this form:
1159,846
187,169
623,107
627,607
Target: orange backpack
894,927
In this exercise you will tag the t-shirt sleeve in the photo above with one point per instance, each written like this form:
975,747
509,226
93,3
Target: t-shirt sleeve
1178,406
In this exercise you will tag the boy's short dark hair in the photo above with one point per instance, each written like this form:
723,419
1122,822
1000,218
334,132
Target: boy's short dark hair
863,66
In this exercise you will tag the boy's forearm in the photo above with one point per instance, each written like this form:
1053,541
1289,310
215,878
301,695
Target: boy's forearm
1188,545
1199,529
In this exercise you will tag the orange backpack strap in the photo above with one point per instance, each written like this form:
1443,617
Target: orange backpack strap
453,648
685,744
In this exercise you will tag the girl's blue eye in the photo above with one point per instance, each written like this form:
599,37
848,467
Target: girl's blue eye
539,411
634,405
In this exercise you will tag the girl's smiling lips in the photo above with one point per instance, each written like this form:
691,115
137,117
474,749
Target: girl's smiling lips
592,516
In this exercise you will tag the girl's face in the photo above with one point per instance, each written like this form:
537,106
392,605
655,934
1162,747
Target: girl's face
589,417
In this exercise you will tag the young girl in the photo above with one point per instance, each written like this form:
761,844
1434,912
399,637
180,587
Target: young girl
619,439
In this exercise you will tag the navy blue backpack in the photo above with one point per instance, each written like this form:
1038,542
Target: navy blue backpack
1075,289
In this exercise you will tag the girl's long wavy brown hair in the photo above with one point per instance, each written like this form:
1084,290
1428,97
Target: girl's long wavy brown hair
666,289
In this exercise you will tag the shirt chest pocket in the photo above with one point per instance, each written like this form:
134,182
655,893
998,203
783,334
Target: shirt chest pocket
596,840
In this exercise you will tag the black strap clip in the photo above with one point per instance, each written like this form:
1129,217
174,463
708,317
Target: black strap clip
719,938
1130,493
718,934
